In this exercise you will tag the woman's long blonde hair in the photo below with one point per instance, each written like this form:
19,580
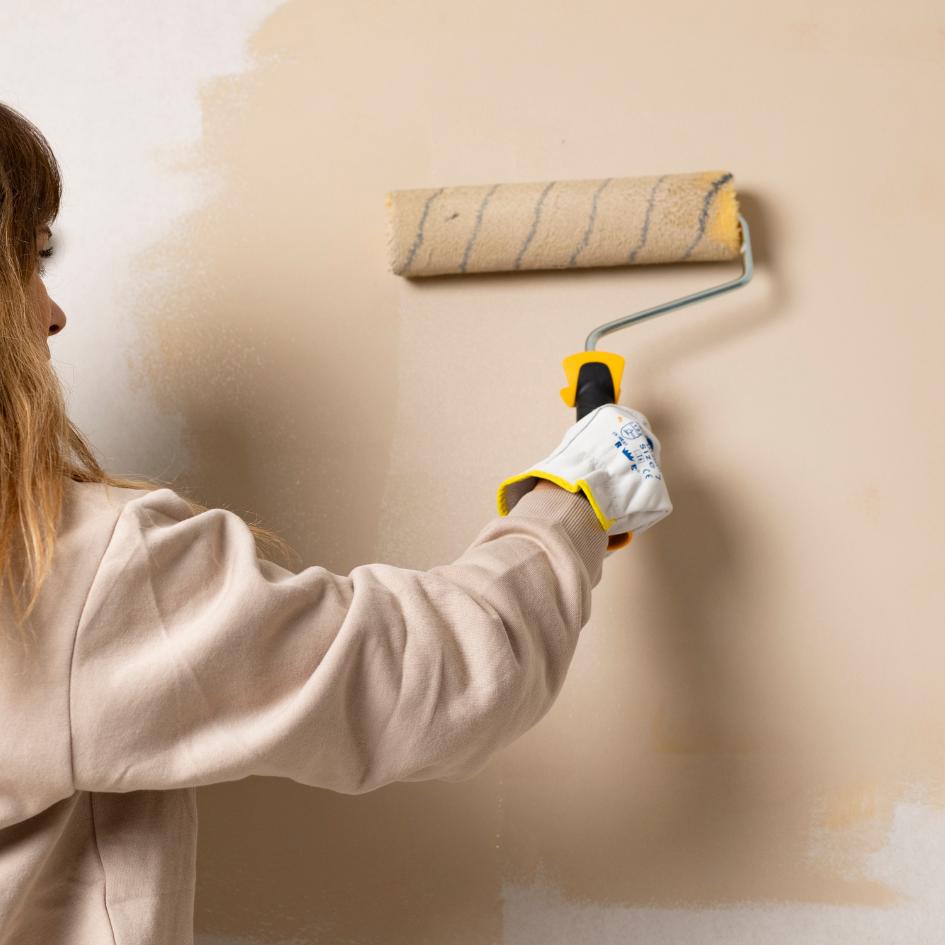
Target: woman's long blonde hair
39,446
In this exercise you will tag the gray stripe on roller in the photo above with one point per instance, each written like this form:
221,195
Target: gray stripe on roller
645,232
475,232
418,239
704,215
590,224
531,232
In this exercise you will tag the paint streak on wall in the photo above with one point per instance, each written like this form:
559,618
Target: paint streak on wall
750,743
909,860
114,89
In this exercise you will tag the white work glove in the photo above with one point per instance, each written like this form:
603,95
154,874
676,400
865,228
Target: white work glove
613,457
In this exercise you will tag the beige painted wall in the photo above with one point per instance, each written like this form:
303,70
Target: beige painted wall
750,744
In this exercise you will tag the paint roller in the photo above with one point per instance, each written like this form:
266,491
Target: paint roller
577,224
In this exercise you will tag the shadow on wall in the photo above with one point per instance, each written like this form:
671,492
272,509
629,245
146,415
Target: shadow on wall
669,802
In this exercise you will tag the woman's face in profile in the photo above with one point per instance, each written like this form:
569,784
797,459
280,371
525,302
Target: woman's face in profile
50,317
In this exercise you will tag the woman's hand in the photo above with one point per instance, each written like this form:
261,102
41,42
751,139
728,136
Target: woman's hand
624,484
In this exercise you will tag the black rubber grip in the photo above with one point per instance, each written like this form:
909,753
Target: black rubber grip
595,386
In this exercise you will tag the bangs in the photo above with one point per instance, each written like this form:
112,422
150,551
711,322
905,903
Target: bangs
30,184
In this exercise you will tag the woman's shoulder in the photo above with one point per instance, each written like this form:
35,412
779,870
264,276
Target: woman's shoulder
103,499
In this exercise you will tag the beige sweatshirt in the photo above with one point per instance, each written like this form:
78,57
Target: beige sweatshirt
168,655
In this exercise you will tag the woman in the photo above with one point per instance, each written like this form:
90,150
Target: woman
146,648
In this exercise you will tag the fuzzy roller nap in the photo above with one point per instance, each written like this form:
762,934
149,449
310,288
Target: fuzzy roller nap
614,221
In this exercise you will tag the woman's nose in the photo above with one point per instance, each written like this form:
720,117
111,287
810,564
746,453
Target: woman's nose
57,318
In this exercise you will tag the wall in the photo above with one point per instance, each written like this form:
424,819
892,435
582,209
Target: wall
749,745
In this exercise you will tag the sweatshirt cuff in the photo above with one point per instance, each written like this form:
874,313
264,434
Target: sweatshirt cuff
574,513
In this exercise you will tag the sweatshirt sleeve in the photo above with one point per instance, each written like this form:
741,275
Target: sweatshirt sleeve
196,661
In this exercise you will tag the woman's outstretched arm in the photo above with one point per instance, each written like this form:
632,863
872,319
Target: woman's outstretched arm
196,661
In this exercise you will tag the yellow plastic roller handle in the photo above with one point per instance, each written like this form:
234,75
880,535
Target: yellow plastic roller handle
572,367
